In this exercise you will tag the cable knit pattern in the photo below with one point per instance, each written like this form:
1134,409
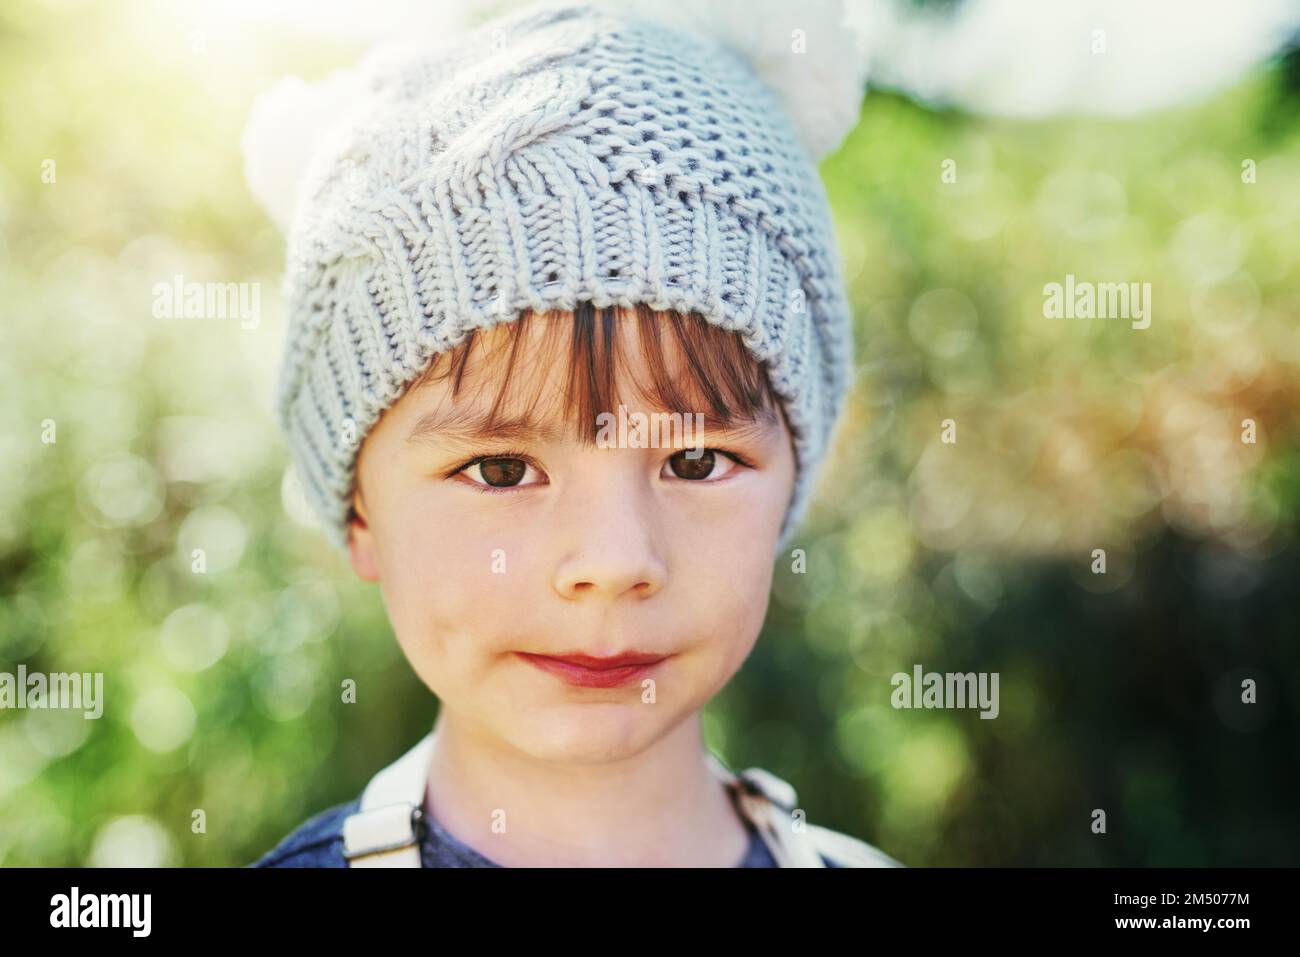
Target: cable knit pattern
558,154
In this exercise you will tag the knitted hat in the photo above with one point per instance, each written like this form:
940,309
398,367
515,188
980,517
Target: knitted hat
559,153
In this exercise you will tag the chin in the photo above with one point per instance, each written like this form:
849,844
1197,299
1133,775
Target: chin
591,733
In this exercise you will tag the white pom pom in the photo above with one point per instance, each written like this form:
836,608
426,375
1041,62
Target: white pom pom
805,52
286,124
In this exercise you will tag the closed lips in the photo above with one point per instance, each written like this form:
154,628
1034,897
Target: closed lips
603,664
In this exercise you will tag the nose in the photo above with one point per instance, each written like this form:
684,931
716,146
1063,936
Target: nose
611,551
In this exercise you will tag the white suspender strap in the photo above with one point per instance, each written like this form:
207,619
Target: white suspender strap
768,802
385,830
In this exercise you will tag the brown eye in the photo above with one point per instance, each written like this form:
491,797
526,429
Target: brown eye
698,468
502,472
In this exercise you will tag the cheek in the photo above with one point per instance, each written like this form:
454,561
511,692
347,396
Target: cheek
445,578
738,524
721,596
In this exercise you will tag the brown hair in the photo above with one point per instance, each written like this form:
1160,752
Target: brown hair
725,381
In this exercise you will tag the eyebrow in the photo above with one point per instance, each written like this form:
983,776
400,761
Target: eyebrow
467,426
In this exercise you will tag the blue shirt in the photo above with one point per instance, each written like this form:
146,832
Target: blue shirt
318,842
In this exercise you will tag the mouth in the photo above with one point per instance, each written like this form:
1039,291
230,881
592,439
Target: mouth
588,672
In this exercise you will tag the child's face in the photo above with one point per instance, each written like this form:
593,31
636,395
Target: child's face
572,549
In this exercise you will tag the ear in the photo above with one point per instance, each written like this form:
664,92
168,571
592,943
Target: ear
361,542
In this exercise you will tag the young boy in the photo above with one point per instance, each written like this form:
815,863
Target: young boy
516,253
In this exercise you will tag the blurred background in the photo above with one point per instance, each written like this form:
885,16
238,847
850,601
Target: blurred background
1001,147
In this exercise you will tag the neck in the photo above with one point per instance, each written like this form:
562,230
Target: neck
662,807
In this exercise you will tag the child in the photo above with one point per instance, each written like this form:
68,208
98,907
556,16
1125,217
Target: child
509,256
